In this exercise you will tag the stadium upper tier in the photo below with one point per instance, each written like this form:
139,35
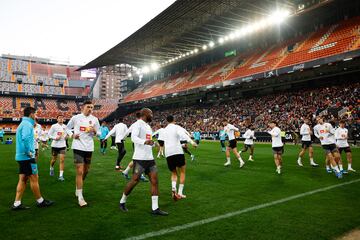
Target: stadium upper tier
328,41
11,107
23,76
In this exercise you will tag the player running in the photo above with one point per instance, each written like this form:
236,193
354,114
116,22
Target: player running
341,136
230,131
326,134
160,139
25,157
58,135
84,126
44,139
277,145
119,130
175,155
141,135
249,136
37,134
306,132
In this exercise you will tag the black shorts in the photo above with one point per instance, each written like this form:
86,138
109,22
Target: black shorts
1,139
28,167
232,144
144,166
197,142
183,142
161,143
56,151
278,150
306,144
330,148
175,161
345,149
82,156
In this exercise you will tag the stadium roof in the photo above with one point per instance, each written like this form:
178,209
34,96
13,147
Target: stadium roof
184,26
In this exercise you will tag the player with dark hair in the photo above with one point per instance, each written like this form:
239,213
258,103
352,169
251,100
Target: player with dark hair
341,136
230,131
58,135
104,130
84,126
277,145
306,132
160,139
141,135
249,136
25,156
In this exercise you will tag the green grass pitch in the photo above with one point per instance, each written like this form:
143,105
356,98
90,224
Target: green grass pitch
211,190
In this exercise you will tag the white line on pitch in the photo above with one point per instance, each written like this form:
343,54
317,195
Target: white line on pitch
236,213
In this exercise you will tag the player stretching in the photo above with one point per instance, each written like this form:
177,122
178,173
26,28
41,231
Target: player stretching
277,145
175,155
341,135
160,139
230,132
249,136
141,135
58,134
104,130
25,153
306,132
85,127
325,133
119,130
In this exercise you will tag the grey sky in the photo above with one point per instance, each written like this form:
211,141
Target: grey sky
74,30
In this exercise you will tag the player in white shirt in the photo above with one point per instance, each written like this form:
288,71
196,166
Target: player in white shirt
120,131
83,128
249,136
326,134
141,135
44,139
306,132
184,145
277,145
125,173
175,155
37,134
230,131
341,136
58,135
160,139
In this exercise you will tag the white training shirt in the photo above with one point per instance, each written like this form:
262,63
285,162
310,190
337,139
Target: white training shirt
326,131
305,132
249,136
160,133
182,137
44,136
55,131
37,133
230,131
276,137
120,131
140,132
341,136
80,124
172,136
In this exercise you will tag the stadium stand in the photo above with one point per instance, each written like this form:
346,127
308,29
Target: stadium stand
327,41
288,108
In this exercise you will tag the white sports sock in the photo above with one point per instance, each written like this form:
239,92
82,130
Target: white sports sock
123,198
173,186
299,159
349,166
240,159
328,167
61,173
154,202
341,167
40,200
228,159
127,169
250,157
336,168
79,194
17,203
51,168
181,188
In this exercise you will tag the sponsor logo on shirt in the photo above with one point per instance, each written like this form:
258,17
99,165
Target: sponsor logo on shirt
148,137
82,129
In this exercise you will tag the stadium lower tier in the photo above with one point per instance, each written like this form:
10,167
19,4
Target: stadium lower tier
11,107
287,108
340,38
